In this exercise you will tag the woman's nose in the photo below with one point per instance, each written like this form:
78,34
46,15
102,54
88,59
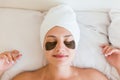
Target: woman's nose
60,47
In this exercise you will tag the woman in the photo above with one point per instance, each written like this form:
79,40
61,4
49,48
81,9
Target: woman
59,35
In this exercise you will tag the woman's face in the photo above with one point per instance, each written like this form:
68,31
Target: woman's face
59,46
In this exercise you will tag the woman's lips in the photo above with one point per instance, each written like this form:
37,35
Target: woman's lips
60,56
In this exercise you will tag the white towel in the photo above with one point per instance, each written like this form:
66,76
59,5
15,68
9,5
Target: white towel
63,16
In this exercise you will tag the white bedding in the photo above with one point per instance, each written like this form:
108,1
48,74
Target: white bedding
93,35
114,28
19,29
20,22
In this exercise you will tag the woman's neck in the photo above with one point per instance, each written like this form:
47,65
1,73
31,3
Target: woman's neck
58,72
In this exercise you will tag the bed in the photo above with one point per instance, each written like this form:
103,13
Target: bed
20,22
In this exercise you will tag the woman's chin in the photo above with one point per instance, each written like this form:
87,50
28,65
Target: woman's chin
62,63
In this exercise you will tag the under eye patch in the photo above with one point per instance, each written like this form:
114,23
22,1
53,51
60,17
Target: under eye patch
50,45
70,44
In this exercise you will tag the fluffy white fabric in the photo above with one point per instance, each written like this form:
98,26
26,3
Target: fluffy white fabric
62,16
93,35
114,28
19,29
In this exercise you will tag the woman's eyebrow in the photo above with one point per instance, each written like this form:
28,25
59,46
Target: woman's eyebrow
51,36
55,36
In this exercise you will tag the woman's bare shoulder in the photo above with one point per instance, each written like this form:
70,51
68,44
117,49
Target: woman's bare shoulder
92,74
30,75
22,76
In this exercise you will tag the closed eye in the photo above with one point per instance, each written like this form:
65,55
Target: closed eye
70,44
50,45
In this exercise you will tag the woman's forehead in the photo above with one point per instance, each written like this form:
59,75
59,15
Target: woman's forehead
58,31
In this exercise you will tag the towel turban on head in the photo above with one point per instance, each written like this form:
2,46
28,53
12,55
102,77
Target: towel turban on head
62,16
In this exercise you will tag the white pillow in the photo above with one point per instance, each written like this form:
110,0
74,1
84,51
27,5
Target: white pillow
93,35
114,28
19,29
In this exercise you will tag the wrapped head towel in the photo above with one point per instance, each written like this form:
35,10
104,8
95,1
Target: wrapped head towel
62,16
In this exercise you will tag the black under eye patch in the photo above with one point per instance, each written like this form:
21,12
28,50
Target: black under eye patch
50,45
70,44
